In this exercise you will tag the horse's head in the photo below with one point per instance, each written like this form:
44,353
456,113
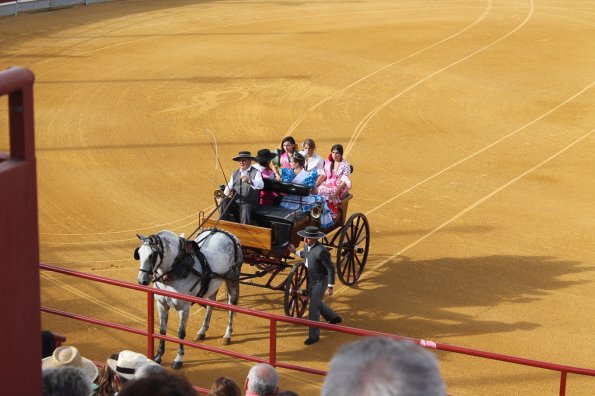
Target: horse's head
150,255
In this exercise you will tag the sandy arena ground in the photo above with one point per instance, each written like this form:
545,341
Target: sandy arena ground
470,124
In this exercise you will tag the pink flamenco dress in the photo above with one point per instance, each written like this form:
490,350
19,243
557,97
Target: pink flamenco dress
329,188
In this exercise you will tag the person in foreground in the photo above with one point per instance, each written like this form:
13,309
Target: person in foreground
66,381
383,366
66,372
321,275
125,366
224,386
163,383
262,380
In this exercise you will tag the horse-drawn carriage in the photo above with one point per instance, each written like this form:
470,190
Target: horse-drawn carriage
199,267
265,246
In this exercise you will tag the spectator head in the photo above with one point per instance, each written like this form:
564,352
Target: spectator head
48,343
107,383
383,366
66,381
69,356
224,386
148,369
163,383
262,380
126,365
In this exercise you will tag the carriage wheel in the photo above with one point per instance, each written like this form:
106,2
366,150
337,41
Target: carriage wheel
296,291
352,251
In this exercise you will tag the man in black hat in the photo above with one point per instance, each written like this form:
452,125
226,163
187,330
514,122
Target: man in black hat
321,276
243,189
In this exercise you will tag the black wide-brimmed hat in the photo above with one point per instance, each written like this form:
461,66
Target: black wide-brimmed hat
244,155
265,155
311,232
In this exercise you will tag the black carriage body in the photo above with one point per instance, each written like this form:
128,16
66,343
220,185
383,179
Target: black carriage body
266,245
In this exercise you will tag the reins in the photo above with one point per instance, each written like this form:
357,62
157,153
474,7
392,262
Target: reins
223,213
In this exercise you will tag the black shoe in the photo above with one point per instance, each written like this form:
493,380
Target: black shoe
337,320
311,341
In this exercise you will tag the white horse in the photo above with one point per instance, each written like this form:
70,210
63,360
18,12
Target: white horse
196,268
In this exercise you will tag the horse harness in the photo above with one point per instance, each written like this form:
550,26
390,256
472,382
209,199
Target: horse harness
184,264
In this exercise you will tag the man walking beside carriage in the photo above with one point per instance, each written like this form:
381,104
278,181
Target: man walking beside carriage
321,277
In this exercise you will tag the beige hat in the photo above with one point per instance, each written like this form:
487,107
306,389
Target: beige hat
127,363
71,357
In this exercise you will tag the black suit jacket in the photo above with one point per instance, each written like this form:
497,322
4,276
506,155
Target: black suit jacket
320,265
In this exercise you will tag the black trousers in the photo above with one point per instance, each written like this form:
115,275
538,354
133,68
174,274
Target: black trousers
317,307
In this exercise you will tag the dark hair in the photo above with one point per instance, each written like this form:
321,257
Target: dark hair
224,386
264,162
159,384
48,343
336,147
300,159
289,139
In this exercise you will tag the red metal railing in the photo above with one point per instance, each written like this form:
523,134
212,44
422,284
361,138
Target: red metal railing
273,319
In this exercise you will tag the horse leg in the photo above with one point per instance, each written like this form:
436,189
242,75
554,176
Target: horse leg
205,324
233,295
184,314
163,310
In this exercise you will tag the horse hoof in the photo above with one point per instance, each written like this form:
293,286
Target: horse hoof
226,341
200,337
157,359
177,365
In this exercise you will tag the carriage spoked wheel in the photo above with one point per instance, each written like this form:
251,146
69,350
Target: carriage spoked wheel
353,247
296,291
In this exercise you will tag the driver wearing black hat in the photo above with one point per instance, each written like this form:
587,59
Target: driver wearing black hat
243,190
321,277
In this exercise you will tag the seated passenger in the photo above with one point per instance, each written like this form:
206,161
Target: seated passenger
335,180
298,175
263,164
243,190
284,153
313,160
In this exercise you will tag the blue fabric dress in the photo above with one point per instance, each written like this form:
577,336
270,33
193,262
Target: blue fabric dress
305,204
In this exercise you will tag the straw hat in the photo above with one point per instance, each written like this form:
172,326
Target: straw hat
127,363
69,356
311,232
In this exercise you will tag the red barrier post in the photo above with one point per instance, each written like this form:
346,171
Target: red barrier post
150,325
273,343
563,375
19,241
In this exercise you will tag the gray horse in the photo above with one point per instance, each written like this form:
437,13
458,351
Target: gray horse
196,268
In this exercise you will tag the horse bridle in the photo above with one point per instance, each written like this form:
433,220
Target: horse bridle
156,245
